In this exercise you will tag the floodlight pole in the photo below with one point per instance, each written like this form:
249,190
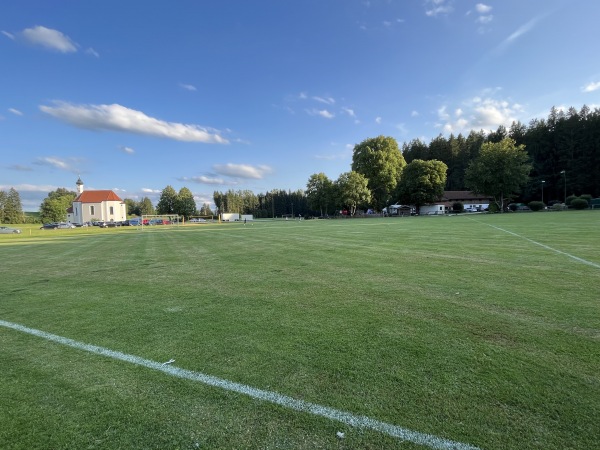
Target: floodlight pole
564,173
543,191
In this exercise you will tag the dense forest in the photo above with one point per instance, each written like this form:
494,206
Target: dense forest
564,150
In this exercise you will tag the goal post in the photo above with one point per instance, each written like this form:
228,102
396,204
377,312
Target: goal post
161,219
202,219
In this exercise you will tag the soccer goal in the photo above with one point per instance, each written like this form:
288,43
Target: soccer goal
161,219
287,216
202,219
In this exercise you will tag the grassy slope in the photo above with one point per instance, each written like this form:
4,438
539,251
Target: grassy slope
443,325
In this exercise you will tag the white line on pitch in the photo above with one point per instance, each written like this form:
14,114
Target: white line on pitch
347,418
547,247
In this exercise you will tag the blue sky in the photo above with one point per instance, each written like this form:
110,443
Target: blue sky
234,94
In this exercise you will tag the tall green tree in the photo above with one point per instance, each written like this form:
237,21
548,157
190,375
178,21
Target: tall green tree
185,205
205,210
422,182
132,206
501,170
54,206
380,161
2,200
145,207
167,201
13,209
319,191
353,191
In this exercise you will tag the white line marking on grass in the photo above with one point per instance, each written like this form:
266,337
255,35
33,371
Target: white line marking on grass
576,258
347,418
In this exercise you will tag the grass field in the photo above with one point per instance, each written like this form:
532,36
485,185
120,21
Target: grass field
478,330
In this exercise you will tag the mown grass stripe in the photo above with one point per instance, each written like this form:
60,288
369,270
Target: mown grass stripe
547,247
344,417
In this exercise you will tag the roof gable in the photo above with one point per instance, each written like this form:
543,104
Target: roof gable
97,197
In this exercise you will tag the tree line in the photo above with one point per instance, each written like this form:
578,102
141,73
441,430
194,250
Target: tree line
559,154
564,152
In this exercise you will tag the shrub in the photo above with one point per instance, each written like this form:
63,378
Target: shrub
458,207
569,199
587,197
536,205
558,207
579,203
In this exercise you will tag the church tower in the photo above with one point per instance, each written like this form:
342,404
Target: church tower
79,185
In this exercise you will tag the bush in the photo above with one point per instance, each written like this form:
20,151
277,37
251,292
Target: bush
536,205
579,203
458,207
569,199
587,197
558,207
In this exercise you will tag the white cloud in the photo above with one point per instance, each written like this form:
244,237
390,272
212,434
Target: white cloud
591,87
479,114
522,30
29,188
127,150
8,35
119,118
349,111
242,170
151,191
57,163
49,38
482,9
414,113
436,7
92,52
16,112
484,19
326,100
320,112
187,87
378,120
203,179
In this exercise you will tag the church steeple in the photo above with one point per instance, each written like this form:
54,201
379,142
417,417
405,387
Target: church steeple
79,185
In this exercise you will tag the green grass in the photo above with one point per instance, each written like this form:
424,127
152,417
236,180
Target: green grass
441,325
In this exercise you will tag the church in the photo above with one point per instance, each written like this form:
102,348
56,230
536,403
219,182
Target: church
102,206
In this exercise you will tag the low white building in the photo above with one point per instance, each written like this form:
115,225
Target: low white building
100,205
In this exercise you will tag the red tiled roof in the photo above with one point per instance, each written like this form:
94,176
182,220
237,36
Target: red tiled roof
97,197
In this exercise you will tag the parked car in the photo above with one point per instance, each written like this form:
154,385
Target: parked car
65,225
8,230
110,224
49,226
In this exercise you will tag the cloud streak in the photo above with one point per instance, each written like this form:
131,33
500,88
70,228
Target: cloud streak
243,170
57,163
49,39
591,87
119,118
